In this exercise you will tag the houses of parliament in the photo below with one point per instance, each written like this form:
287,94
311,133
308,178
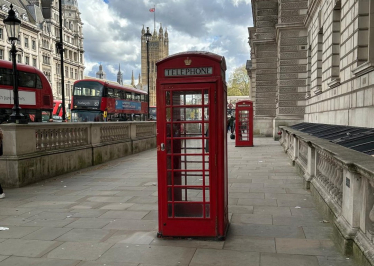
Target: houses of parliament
158,49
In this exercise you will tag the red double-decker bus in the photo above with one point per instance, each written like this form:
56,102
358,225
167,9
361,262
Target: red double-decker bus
34,91
102,100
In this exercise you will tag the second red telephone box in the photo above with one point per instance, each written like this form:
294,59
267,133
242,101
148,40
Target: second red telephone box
191,146
244,123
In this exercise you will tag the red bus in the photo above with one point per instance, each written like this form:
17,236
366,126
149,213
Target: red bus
93,99
57,108
152,113
35,92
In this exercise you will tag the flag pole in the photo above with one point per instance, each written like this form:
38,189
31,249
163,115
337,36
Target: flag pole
154,16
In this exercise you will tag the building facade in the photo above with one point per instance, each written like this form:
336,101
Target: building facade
158,49
312,61
39,34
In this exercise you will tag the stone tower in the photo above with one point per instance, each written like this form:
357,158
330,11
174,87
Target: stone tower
158,49
119,75
101,74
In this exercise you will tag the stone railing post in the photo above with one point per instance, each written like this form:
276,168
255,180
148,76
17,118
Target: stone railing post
295,153
18,139
311,166
352,197
95,133
133,130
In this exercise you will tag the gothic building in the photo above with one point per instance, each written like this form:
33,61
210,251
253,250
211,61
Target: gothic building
158,49
38,36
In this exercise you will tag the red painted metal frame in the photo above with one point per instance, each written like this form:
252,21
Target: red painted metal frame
216,225
244,124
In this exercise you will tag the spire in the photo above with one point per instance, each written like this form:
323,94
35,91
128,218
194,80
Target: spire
119,75
166,33
119,68
143,30
132,79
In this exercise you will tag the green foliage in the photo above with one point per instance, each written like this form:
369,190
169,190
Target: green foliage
239,84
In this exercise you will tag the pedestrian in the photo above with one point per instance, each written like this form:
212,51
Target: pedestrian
232,124
2,195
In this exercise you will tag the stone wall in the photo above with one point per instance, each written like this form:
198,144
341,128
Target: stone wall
39,151
341,36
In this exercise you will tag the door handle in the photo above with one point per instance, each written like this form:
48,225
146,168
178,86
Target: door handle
162,146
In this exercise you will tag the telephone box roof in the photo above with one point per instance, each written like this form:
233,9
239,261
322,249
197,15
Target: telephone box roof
215,57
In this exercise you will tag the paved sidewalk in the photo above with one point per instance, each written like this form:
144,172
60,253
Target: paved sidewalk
107,215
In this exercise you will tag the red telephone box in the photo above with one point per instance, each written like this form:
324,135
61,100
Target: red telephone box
244,124
191,146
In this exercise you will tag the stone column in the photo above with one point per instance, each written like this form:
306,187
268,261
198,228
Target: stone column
292,63
264,49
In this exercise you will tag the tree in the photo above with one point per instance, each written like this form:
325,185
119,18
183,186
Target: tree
238,84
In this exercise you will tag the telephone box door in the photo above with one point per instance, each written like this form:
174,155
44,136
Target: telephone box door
186,165
244,123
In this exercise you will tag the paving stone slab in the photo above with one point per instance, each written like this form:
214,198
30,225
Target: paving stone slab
246,195
3,257
299,221
257,202
251,244
252,218
84,235
260,230
130,215
336,261
205,257
240,209
306,247
189,243
26,248
271,259
272,210
47,233
89,223
79,251
146,254
137,225
21,261
132,237
17,231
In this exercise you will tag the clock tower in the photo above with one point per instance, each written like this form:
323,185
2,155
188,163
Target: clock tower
158,49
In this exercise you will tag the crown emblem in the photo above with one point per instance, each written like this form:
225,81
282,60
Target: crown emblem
188,61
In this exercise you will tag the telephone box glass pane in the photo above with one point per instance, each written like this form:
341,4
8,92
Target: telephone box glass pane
187,142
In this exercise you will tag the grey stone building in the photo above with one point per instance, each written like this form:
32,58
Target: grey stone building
312,61
278,43
38,36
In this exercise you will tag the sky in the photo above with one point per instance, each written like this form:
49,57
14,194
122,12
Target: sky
112,31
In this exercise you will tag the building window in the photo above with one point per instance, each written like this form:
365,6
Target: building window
1,54
34,62
336,37
76,74
19,59
26,42
19,40
365,38
33,44
10,56
1,33
66,72
27,60
71,73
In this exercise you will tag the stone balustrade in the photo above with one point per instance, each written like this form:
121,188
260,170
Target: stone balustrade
342,182
39,151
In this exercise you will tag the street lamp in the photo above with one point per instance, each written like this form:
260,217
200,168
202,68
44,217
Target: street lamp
12,25
148,36
60,49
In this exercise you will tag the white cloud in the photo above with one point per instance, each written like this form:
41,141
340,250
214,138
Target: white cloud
112,31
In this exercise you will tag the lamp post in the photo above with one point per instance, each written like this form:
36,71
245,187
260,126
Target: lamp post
12,25
60,49
148,36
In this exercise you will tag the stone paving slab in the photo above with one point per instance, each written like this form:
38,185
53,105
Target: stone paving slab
108,215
